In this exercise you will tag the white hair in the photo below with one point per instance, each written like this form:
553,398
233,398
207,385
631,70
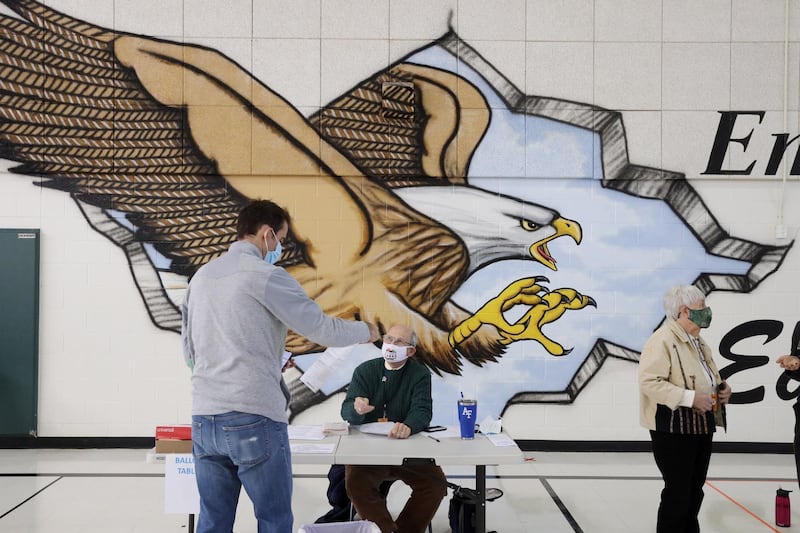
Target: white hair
679,296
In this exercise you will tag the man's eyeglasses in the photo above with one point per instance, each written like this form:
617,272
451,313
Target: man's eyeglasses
388,339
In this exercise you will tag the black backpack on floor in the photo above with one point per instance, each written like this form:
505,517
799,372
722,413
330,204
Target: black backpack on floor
462,512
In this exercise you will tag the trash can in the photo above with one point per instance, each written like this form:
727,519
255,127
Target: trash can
359,526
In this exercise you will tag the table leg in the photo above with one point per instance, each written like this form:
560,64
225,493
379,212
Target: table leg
480,508
191,523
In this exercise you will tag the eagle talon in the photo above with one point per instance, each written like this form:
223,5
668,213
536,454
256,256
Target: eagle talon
549,309
526,291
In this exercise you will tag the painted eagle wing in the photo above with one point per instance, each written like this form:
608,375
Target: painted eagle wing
172,136
411,125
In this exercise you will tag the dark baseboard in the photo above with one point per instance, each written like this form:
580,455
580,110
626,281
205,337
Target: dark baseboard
644,446
525,445
76,442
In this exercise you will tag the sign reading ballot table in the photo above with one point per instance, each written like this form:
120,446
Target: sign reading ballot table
180,485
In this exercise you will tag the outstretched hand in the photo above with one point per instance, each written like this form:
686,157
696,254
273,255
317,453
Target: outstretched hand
788,362
374,334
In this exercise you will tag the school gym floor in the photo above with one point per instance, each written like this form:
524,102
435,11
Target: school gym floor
117,491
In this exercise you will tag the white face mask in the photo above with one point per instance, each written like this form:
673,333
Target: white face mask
394,354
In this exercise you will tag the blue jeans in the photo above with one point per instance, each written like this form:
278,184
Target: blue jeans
235,449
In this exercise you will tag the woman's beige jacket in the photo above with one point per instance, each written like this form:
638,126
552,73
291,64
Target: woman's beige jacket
668,366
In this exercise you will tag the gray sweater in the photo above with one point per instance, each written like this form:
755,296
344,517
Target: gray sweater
235,317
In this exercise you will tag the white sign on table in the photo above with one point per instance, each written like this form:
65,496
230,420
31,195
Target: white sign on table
180,485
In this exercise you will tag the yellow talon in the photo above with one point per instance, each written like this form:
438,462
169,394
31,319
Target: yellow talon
522,291
551,307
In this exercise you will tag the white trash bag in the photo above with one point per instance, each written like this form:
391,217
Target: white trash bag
359,526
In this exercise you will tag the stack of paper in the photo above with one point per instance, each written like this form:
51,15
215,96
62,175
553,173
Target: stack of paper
301,432
336,428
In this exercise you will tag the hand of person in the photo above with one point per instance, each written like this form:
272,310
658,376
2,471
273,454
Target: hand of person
703,402
374,334
399,431
788,362
724,393
362,405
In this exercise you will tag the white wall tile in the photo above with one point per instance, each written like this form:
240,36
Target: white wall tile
560,70
152,18
628,75
757,74
560,20
696,76
643,131
210,18
297,80
291,19
757,21
691,21
686,140
23,201
422,19
627,20
497,20
355,19
346,62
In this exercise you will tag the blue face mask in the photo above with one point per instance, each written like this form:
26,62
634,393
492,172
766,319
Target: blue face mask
273,256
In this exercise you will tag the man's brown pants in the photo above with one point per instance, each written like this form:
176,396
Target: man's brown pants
428,488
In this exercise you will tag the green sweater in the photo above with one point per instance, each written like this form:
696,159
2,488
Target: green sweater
404,396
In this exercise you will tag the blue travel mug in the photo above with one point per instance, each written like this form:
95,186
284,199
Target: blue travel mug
467,411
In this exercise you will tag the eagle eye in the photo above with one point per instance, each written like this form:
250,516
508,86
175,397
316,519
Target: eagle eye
527,225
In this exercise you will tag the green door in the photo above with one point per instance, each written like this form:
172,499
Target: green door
19,330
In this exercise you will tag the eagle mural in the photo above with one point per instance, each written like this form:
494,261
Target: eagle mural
161,144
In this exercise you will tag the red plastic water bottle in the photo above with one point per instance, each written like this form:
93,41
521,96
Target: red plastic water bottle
783,511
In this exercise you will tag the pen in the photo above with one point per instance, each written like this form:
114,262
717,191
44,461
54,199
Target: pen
432,437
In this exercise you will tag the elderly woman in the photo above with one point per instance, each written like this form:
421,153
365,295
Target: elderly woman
791,365
682,400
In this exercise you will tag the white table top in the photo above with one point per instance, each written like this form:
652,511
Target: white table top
365,449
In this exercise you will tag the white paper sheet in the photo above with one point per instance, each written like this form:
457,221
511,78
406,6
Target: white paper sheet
319,372
491,425
285,358
312,447
376,428
301,432
501,439
180,485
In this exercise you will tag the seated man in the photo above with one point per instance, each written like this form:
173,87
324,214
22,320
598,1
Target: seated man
393,388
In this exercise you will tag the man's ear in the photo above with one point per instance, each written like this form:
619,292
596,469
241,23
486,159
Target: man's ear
411,351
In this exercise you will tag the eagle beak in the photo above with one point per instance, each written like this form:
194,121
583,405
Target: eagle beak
562,226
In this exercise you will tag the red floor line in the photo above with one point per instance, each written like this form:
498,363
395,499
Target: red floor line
743,508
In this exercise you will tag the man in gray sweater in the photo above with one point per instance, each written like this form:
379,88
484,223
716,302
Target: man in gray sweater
236,314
